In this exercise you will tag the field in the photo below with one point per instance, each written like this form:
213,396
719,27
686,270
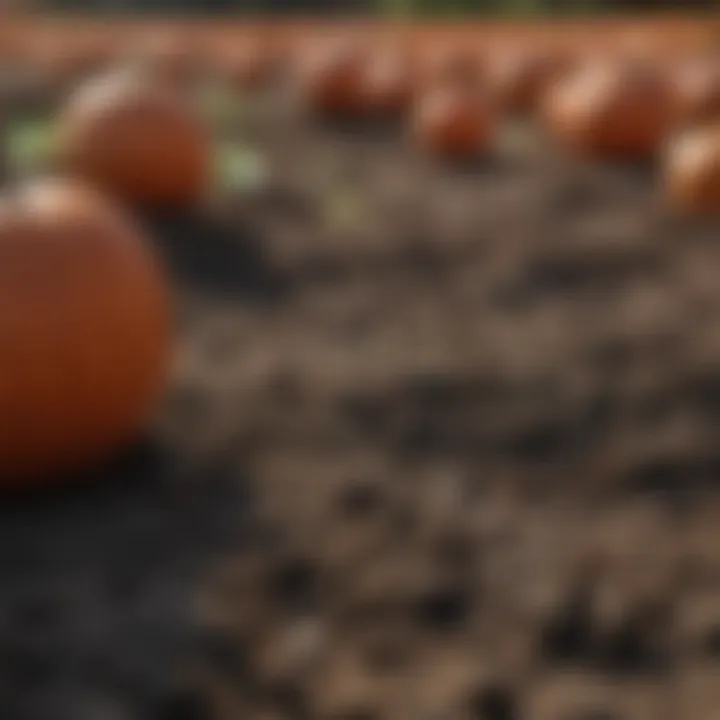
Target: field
440,443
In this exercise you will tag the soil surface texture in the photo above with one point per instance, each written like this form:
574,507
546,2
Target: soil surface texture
440,444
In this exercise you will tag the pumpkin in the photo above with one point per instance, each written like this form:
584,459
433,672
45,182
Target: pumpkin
135,140
612,110
453,121
696,85
692,170
519,77
84,327
389,84
331,78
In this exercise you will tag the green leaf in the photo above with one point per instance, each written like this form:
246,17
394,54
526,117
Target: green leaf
241,168
30,145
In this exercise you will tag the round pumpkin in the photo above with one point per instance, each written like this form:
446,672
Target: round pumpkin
518,78
696,85
136,140
85,330
331,78
692,170
453,121
613,110
389,84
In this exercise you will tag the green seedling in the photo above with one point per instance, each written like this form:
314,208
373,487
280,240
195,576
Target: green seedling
30,146
240,168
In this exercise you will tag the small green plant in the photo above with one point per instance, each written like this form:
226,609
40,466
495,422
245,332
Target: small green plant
30,146
240,168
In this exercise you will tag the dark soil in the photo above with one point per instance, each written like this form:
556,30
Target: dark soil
440,444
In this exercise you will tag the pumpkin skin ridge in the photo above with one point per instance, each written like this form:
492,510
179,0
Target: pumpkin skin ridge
79,376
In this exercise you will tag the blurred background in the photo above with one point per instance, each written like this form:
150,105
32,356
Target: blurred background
365,7
439,439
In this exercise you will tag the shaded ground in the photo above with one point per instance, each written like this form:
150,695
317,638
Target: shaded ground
457,431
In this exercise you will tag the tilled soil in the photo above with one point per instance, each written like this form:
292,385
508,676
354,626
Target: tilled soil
440,444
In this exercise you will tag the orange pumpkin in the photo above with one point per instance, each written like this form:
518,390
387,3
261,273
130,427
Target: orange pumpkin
696,85
84,327
331,78
389,84
519,77
692,170
614,110
454,122
136,140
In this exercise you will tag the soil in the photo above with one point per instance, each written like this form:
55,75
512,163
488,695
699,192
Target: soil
440,444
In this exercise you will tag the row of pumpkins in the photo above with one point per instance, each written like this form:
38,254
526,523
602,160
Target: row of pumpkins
85,320
625,102
630,100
